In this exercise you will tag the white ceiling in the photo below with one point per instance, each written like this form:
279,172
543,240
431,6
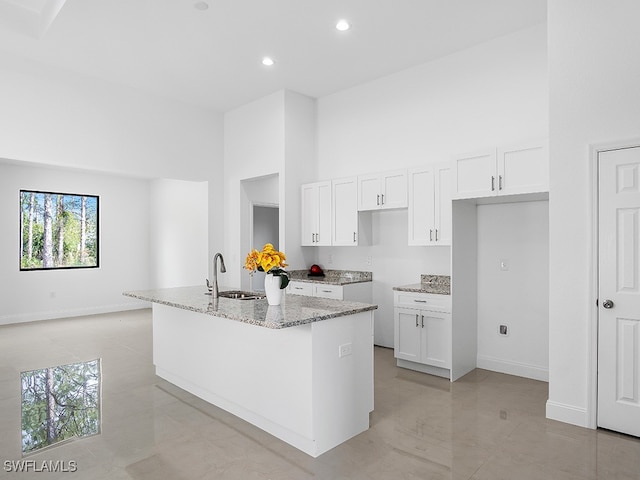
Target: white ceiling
212,57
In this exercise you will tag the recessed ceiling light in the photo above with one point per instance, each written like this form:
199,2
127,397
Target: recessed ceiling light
201,6
268,61
343,25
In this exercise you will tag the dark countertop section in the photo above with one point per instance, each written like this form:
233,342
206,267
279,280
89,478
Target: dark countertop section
436,284
332,277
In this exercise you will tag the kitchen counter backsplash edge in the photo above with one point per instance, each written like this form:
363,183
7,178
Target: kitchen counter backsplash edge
332,277
437,284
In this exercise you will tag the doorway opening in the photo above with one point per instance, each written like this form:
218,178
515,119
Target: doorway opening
265,227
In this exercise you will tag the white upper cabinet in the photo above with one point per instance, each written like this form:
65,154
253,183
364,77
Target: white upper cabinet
518,169
316,214
382,190
345,211
523,168
430,205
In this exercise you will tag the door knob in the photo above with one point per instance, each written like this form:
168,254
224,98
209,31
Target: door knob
607,304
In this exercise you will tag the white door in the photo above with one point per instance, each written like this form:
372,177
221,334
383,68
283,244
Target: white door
421,206
394,190
323,235
345,211
408,335
443,207
619,291
309,222
369,192
474,175
523,168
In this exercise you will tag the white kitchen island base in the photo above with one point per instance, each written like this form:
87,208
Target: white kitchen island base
310,385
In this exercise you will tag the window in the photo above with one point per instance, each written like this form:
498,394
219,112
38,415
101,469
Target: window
58,230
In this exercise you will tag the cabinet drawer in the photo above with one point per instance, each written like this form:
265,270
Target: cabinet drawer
300,288
329,291
423,301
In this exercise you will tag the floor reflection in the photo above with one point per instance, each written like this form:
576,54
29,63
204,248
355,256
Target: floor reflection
60,403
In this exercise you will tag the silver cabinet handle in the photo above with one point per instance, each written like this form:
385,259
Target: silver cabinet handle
493,183
431,235
416,319
382,198
436,234
317,237
354,237
326,291
499,182
298,288
419,301
422,321
378,199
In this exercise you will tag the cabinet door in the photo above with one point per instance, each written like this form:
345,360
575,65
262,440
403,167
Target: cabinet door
323,233
421,206
369,192
443,207
474,175
345,211
436,338
393,193
523,168
300,288
309,220
408,334
328,291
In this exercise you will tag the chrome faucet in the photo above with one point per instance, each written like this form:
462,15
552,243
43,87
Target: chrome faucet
214,291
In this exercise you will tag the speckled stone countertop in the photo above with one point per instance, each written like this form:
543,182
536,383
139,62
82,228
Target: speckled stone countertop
294,310
438,284
332,277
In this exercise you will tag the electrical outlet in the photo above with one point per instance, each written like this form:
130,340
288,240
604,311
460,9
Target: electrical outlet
503,330
368,260
504,265
344,350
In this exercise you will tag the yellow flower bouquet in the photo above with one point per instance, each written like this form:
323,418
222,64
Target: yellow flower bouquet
269,260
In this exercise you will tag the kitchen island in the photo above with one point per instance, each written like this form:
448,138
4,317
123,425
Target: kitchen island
302,371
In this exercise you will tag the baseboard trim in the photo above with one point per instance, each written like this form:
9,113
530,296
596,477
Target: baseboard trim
76,312
513,368
567,414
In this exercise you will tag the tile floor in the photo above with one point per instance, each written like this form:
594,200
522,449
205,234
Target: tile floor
485,426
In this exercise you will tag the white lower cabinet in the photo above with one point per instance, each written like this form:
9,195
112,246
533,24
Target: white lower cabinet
355,292
423,339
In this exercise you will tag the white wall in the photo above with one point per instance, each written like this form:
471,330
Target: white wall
594,97
518,234
179,233
124,247
253,147
273,135
56,118
51,117
495,93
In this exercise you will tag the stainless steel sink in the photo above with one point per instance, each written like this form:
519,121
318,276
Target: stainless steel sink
241,295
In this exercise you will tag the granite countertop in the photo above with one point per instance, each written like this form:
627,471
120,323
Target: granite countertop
332,277
437,284
294,310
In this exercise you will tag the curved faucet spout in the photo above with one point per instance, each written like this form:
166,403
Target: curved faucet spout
215,292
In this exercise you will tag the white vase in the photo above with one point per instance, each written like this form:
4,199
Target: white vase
272,289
